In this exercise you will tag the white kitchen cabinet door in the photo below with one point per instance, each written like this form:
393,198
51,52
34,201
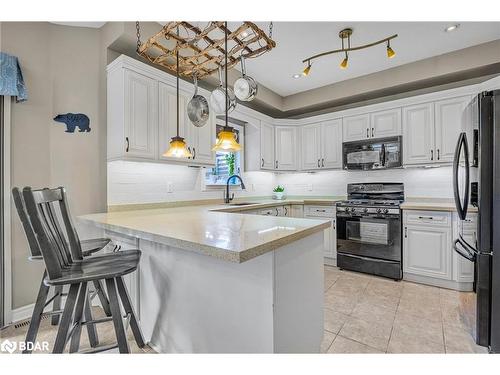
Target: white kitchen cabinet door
286,148
141,116
201,140
267,146
311,146
427,251
418,134
331,144
451,118
167,118
356,128
385,123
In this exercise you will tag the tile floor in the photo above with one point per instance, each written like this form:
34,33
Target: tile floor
363,314
367,314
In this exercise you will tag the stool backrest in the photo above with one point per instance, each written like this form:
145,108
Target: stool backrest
25,221
59,247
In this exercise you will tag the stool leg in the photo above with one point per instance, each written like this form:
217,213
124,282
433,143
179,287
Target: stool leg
56,305
102,297
114,304
91,328
134,325
66,319
36,317
77,320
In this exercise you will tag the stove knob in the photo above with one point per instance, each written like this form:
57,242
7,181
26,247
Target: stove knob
386,210
365,210
353,209
347,209
379,210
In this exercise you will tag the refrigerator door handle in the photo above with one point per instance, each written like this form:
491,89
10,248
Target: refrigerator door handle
467,246
463,252
461,205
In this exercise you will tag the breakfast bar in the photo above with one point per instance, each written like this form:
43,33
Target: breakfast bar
221,282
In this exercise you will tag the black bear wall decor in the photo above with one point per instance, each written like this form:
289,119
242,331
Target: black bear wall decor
74,120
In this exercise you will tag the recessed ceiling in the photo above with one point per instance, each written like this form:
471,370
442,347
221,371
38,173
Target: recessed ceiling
299,40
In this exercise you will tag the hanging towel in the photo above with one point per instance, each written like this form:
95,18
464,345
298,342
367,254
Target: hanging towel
11,78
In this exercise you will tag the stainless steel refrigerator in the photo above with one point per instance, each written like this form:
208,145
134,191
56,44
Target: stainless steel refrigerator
476,182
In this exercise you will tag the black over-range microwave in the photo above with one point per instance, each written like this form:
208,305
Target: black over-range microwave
370,154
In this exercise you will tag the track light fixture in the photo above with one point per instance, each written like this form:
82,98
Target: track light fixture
345,36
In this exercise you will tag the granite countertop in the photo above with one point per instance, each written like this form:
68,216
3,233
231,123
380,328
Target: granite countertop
210,229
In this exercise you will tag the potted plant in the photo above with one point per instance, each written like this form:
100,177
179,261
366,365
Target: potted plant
279,192
230,161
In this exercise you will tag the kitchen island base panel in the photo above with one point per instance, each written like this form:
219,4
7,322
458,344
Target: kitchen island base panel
191,303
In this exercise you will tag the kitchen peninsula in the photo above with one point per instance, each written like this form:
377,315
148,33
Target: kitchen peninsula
223,282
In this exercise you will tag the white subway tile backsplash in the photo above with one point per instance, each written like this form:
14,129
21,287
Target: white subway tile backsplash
135,182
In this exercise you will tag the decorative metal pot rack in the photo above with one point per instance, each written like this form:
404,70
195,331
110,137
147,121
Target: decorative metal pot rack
203,48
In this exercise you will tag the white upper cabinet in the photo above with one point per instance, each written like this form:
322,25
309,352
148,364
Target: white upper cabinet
286,148
385,123
356,128
311,146
331,144
418,134
452,117
267,146
141,119
201,140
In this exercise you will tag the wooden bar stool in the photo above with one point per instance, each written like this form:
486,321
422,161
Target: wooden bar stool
65,265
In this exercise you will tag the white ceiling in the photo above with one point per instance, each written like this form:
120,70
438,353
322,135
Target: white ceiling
299,40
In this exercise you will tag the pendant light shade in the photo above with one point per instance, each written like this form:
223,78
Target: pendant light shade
345,62
390,51
178,149
226,139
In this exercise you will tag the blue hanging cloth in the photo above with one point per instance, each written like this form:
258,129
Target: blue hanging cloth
11,78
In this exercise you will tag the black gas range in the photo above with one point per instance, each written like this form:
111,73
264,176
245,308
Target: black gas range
369,229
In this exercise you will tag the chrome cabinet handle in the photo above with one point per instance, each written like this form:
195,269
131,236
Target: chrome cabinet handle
426,217
333,221
318,163
432,154
262,162
320,210
276,164
406,232
128,144
286,211
438,153
323,162
367,133
372,132
277,212
189,149
194,153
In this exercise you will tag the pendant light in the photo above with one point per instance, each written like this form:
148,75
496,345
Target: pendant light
178,148
226,139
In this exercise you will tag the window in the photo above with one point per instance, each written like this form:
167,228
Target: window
226,163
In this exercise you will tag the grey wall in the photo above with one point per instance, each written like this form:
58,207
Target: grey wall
61,67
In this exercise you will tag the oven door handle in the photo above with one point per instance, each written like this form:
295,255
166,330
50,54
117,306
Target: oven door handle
366,258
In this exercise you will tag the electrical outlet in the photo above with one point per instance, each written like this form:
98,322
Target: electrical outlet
170,187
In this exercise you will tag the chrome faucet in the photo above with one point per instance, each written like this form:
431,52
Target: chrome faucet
227,198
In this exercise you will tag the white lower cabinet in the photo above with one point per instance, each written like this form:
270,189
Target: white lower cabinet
428,255
326,212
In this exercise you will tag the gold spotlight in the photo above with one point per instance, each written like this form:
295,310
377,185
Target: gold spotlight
307,69
345,62
390,51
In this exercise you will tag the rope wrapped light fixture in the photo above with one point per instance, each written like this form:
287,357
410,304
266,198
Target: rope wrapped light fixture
345,36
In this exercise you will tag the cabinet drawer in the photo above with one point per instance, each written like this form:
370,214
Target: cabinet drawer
272,211
320,211
428,217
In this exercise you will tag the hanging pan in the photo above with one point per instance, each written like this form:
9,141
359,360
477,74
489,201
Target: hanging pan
219,95
245,87
197,108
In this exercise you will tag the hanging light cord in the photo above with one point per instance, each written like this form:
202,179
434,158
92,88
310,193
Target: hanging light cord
225,66
177,57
